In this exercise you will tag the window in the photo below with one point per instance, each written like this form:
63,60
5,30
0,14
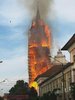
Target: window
74,74
74,58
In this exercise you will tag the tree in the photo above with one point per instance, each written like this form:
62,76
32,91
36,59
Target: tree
50,95
20,88
1,98
33,94
73,90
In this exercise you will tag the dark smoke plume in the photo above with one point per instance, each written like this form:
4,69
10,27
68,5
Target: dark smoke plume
42,5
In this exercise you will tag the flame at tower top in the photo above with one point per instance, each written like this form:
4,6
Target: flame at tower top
39,43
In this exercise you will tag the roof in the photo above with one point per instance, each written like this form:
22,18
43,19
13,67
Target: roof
56,69
69,43
49,72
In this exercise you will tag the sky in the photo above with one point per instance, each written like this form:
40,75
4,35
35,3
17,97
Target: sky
15,21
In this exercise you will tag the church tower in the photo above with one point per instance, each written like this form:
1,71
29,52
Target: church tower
39,44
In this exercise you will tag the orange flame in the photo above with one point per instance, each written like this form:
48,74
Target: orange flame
39,49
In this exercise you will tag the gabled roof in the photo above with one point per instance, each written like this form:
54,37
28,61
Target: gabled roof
56,69
50,72
69,43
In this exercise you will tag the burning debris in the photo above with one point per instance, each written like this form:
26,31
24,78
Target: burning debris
39,45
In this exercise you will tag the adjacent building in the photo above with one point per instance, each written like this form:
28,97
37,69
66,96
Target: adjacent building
61,74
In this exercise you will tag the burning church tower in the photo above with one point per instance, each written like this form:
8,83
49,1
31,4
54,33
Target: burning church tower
39,43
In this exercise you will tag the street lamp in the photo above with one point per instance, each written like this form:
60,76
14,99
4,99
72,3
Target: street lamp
64,98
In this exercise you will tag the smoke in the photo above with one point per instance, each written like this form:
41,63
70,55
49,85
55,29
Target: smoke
42,5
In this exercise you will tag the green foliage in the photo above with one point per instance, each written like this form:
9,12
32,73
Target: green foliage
19,88
73,90
1,98
49,96
33,94
22,88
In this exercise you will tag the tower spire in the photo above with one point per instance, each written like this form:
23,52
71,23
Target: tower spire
37,13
